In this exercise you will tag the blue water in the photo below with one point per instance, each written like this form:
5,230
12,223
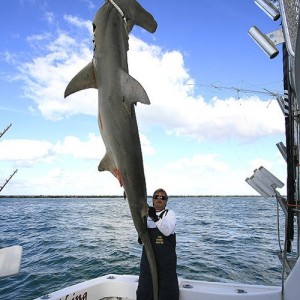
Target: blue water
69,240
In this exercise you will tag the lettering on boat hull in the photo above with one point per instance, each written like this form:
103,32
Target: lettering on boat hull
76,297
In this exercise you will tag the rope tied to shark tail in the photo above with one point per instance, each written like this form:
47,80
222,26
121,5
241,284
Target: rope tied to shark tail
118,8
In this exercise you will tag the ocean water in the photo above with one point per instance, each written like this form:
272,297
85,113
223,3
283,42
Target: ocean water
70,240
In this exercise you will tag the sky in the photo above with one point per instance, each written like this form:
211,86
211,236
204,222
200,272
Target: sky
210,122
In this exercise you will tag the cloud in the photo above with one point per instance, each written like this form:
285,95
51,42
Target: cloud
79,22
8,57
45,79
176,110
93,148
200,174
225,118
58,168
50,17
90,4
175,106
200,162
147,148
27,152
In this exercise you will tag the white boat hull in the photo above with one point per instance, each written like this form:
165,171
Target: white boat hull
124,287
118,287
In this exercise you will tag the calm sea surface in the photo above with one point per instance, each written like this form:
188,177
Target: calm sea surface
66,241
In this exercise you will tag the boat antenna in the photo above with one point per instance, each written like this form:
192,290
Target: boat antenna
239,90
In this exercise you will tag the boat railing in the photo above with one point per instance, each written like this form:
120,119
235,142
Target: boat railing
289,15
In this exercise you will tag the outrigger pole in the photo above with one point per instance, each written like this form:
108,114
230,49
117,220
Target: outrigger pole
11,256
10,177
7,180
5,130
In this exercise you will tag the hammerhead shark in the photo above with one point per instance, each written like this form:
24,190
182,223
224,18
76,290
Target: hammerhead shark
117,94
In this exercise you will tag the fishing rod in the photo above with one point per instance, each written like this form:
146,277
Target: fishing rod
7,180
3,132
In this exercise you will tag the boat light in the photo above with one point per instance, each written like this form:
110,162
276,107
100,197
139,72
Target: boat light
269,8
267,42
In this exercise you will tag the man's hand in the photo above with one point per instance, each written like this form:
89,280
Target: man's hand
152,214
140,241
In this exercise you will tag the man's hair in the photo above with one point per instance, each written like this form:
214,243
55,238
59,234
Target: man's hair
160,190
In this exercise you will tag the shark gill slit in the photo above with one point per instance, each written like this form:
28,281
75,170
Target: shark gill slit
100,122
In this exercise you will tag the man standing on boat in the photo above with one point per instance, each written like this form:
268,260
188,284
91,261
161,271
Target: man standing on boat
161,228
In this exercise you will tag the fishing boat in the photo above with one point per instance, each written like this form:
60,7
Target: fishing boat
123,286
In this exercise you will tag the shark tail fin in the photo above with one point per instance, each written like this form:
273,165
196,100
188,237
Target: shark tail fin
133,91
83,80
152,262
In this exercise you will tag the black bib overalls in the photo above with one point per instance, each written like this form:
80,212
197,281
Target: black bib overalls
166,260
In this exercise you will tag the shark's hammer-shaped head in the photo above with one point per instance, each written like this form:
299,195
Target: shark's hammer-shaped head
134,14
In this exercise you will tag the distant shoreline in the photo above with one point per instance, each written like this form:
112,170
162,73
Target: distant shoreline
120,196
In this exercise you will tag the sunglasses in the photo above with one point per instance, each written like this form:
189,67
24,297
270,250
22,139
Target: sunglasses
160,197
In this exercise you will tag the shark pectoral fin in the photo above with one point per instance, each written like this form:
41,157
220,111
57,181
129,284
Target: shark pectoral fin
85,79
133,91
